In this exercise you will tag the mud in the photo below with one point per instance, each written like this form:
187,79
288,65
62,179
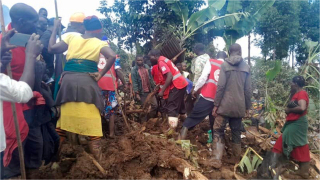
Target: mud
141,154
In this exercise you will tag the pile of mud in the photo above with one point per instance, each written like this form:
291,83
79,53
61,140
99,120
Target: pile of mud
143,153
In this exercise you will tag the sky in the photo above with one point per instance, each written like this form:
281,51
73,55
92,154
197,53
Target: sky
89,7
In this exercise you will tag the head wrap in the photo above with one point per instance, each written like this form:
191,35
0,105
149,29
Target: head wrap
77,17
104,38
92,24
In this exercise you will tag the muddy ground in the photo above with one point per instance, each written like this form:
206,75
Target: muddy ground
141,154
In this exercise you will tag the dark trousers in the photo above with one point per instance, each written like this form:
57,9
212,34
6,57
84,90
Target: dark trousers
33,150
13,169
175,102
219,126
201,110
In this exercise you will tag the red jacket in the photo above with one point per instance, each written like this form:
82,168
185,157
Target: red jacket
158,79
178,80
210,88
105,83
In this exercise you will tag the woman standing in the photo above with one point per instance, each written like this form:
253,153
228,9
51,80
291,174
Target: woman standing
294,142
79,96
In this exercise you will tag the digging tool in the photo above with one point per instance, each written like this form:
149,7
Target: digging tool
176,57
118,99
13,105
57,16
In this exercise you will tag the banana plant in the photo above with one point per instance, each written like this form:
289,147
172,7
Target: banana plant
246,24
207,18
272,111
310,70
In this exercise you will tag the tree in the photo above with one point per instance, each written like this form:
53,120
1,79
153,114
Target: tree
286,26
141,21
309,28
279,28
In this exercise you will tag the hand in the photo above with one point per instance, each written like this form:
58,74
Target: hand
34,46
57,23
96,76
5,45
160,94
138,97
123,88
194,94
247,113
287,110
5,60
214,112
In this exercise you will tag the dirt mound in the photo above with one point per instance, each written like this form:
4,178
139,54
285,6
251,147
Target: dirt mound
131,156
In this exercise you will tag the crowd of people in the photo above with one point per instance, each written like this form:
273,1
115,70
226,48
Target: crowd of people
74,86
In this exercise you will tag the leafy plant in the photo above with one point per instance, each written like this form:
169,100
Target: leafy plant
205,19
250,161
190,151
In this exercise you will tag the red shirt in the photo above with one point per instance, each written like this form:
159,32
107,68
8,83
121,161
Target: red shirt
301,95
17,66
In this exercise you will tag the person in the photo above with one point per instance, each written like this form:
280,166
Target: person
18,92
207,84
133,64
199,62
175,82
293,143
159,80
79,95
108,86
188,97
42,25
24,19
232,101
143,84
184,70
43,13
48,57
257,109
76,28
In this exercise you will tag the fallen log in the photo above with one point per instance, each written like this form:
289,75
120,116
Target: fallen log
182,166
267,131
135,111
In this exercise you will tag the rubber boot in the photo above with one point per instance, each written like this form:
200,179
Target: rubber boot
274,164
182,117
183,133
274,159
95,149
216,154
236,154
303,170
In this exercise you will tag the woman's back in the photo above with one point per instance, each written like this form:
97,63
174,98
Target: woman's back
80,48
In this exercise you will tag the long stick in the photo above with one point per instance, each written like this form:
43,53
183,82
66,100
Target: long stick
122,112
13,105
57,17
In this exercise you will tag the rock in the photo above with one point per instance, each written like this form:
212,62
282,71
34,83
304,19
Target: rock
226,173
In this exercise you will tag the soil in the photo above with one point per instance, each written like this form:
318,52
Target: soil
141,154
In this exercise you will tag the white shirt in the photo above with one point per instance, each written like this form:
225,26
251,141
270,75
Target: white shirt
12,91
198,65
203,79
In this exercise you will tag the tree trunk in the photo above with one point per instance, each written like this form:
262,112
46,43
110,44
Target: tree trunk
292,59
249,48
274,54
